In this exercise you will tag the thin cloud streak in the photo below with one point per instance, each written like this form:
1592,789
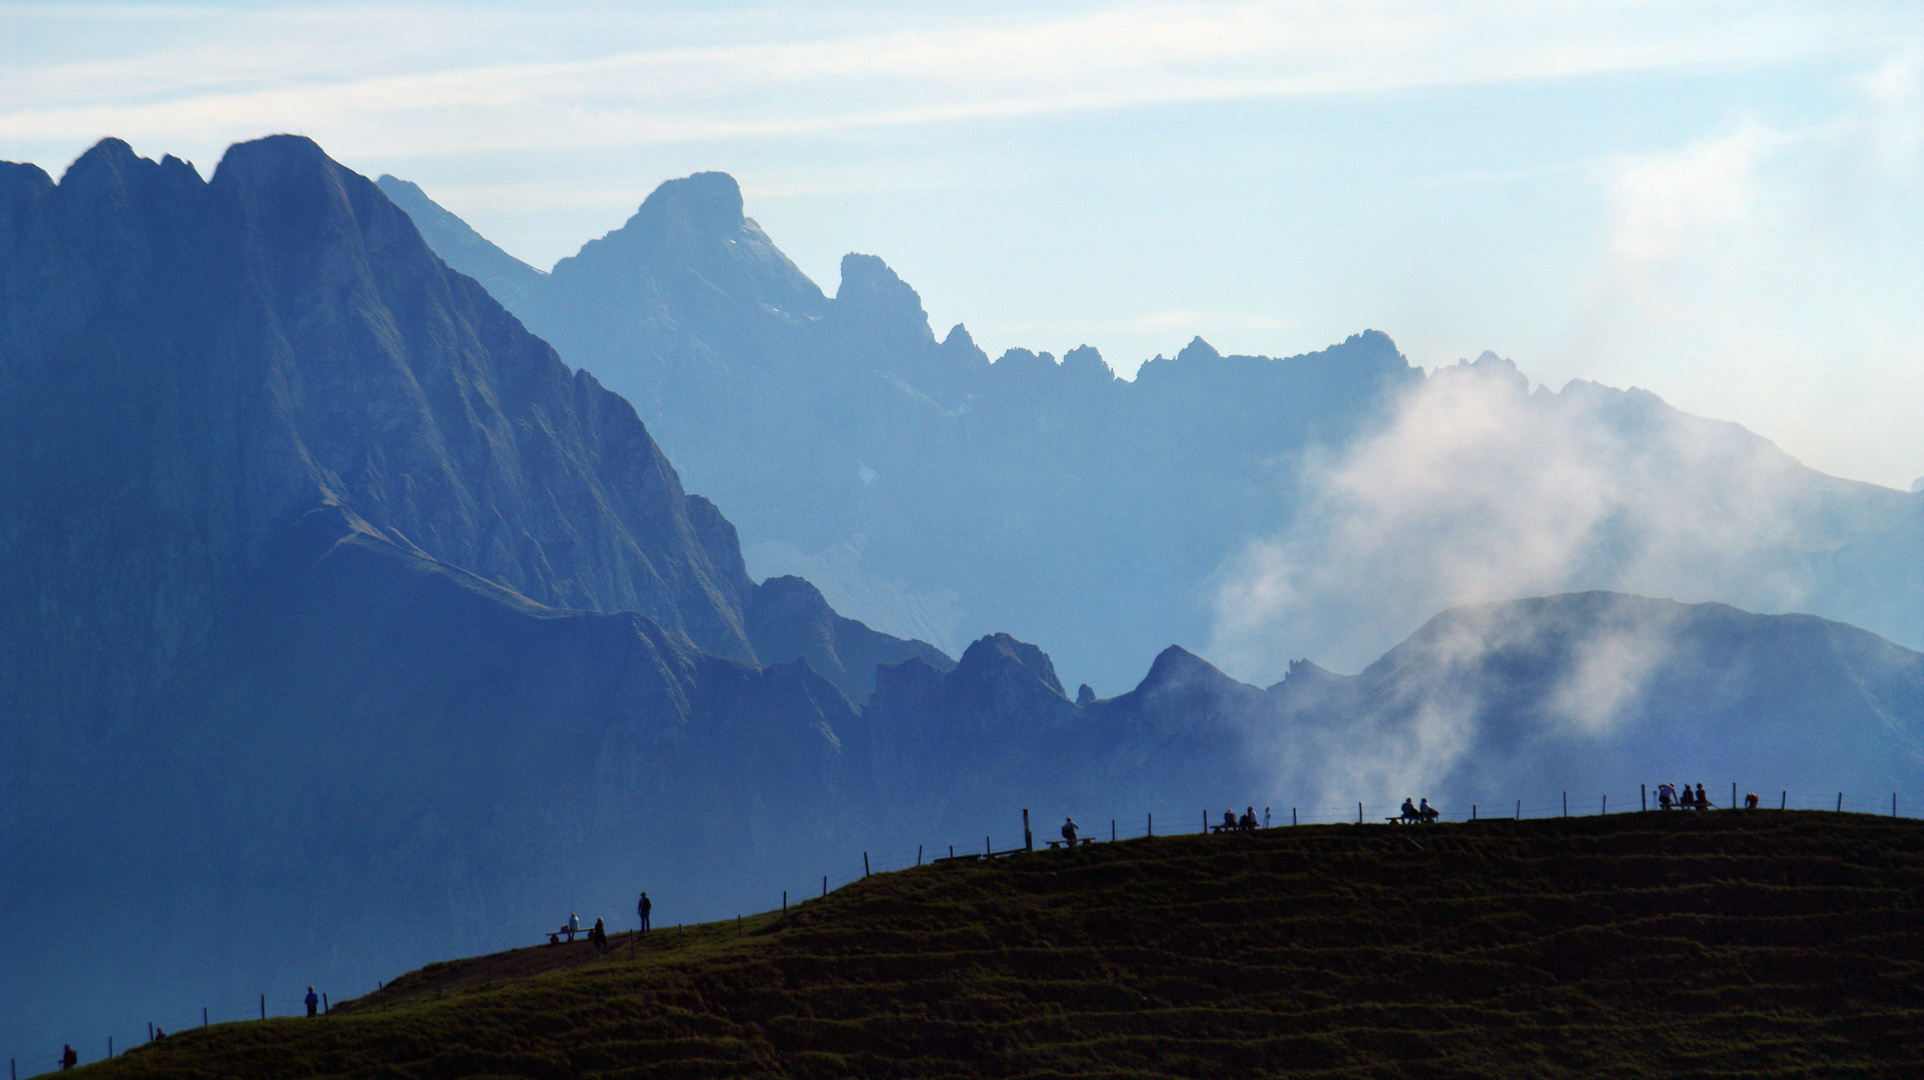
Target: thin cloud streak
376,81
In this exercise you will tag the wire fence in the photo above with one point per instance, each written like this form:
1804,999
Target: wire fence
1159,823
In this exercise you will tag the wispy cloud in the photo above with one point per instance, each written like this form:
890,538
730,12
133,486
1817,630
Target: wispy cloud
436,78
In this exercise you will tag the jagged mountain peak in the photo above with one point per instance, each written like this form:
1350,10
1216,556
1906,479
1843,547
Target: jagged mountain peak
710,202
1198,349
1002,656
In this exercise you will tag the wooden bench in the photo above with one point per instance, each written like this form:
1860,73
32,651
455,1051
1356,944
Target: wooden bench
1403,820
1071,843
569,932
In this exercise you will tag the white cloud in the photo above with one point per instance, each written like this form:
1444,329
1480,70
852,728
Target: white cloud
1477,490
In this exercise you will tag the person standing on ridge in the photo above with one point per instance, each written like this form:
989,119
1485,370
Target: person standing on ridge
599,936
68,1059
642,908
312,1001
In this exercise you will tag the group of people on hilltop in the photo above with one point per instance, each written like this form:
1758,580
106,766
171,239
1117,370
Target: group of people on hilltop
1246,823
1668,797
1424,813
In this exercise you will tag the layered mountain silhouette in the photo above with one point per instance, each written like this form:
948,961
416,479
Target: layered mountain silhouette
348,621
351,627
926,490
934,494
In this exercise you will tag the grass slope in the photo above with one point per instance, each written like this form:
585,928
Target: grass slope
1719,944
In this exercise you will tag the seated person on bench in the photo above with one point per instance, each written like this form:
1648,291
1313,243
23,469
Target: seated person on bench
1409,811
1248,820
1069,832
1427,812
1229,820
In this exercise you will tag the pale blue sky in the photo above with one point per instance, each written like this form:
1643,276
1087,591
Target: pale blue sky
1721,202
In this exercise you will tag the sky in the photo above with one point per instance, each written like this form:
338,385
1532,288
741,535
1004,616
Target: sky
1719,202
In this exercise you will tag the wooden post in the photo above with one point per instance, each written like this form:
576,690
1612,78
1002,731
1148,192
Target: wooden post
785,896
1472,811
987,848
1783,800
203,1015
1265,817
1519,809
150,1031
1359,813
263,1006
1205,820
1566,804
1152,824
864,864
1606,804
1733,794
825,877
1643,796
1292,815
1840,802
326,1008
1028,840
1112,830
918,854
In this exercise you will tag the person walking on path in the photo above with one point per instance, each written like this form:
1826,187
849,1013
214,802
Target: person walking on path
599,936
642,908
312,1001
68,1059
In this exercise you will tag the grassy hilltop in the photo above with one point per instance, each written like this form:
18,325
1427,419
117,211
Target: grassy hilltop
1715,944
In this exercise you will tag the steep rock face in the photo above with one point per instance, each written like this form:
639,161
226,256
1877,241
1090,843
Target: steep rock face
351,626
281,337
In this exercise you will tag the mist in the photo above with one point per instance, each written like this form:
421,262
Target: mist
1476,488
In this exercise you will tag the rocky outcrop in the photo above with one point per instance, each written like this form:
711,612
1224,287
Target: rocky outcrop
789,620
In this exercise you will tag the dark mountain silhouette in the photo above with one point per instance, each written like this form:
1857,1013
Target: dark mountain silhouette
349,621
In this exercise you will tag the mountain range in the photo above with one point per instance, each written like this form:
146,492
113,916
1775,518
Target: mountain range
934,494
352,626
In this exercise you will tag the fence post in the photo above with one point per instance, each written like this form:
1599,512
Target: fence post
825,876
1112,830
918,854
1566,804
203,1014
785,895
326,1008
1359,813
1840,802
1472,811
1265,817
1606,804
1643,797
1028,841
987,848
1519,809
263,1006
864,864
1292,815
1783,801
1152,824
1205,821
1733,794
150,1031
